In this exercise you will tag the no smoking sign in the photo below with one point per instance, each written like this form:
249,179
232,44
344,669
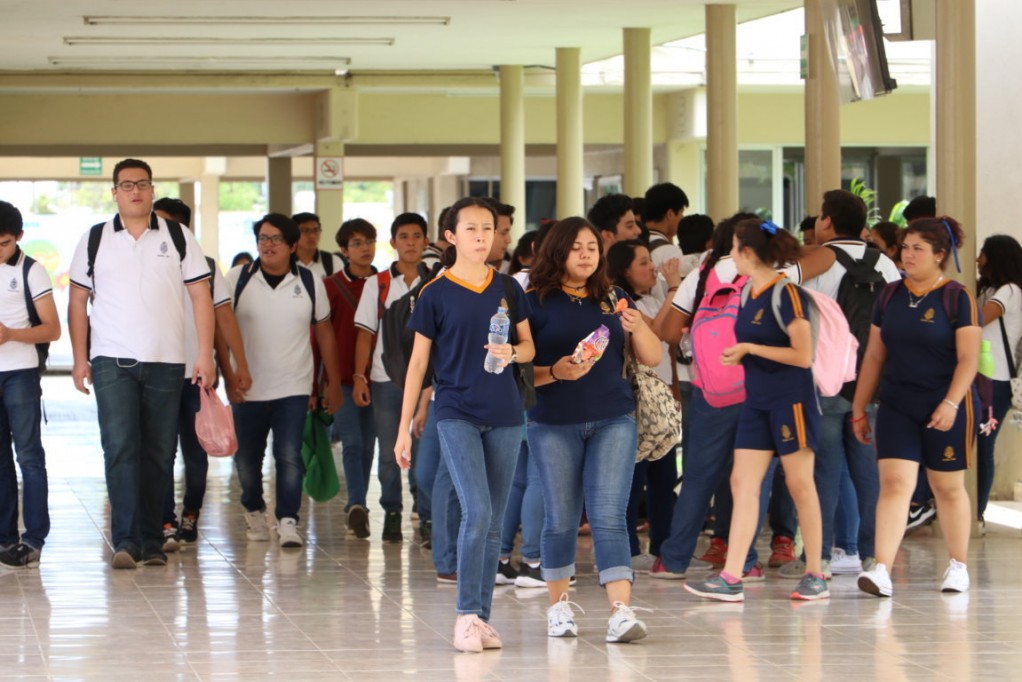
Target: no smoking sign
329,173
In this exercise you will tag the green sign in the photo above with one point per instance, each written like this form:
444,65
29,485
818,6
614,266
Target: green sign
90,165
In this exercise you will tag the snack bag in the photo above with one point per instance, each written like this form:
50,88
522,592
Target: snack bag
590,349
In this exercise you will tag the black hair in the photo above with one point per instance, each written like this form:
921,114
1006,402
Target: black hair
408,219
502,209
846,211
10,220
638,203
774,248
305,217
662,198
937,232
175,208
349,228
693,233
808,223
132,163
523,249
1003,262
547,273
450,223
723,236
608,210
920,207
288,228
241,258
620,257
890,233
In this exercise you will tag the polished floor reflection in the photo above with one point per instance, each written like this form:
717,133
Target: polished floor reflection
343,608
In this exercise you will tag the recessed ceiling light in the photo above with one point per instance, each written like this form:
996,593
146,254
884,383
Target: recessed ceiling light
265,20
214,40
138,60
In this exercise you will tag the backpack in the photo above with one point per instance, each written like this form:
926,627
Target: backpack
328,262
835,349
657,242
308,281
41,349
713,330
177,236
393,331
856,295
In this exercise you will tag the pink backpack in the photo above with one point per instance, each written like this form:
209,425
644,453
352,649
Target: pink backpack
835,348
713,330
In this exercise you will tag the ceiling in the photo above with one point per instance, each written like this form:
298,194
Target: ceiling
307,37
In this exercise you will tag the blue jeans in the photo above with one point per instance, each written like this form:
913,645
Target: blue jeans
591,463
525,507
985,461
446,517
846,517
657,479
139,435
708,469
356,430
781,510
386,398
481,461
195,458
254,420
427,460
20,396
838,445
685,388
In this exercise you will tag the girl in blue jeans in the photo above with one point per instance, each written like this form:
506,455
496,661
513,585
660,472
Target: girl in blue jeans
479,414
582,430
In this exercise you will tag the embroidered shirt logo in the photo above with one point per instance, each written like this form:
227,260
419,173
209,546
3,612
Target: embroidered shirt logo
786,435
163,248
949,454
605,308
298,291
14,284
928,316
758,319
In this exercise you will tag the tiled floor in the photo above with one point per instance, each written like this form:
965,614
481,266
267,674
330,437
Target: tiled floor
353,609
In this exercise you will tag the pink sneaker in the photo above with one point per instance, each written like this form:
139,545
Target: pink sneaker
489,636
468,633
754,574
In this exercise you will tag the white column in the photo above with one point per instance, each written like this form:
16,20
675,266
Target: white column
638,133
512,143
278,184
329,202
823,114
570,169
721,111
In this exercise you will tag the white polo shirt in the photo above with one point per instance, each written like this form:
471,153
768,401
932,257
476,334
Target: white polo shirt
367,315
221,296
138,309
316,264
1009,298
15,355
275,328
830,281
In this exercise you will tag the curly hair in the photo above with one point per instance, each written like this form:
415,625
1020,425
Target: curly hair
548,271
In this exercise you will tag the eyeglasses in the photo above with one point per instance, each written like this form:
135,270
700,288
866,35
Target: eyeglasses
359,243
268,239
129,185
310,230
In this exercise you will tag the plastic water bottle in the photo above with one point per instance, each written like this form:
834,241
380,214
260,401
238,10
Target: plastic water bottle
986,359
500,324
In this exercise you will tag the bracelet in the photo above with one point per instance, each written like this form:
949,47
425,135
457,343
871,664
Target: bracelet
851,420
360,376
951,404
552,375
670,289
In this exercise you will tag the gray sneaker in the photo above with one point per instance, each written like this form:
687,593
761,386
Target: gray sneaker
797,568
811,588
20,556
715,587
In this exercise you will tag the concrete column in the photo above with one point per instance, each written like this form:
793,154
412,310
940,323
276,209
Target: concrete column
209,214
512,143
446,190
278,183
570,170
823,114
721,111
329,201
186,193
638,133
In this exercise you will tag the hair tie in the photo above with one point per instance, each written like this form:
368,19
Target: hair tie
954,246
769,227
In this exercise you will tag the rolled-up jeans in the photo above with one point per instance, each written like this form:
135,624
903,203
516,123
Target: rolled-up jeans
592,463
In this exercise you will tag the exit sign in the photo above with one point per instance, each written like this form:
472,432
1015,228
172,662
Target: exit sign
90,165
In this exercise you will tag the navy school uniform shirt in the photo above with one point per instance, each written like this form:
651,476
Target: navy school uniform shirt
558,324
770,384
920,341
456,317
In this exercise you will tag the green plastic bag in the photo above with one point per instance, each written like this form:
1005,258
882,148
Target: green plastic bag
320,480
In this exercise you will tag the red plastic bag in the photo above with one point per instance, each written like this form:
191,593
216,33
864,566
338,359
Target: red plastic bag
214,425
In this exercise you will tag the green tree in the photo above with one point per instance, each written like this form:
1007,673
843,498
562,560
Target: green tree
243,196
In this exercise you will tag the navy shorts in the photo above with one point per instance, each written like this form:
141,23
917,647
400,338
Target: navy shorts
901,432
783,430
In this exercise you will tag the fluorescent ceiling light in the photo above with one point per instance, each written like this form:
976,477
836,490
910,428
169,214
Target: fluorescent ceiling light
265,21
137,60
214,40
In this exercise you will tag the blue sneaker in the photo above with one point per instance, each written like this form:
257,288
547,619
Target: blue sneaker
811,588
715,587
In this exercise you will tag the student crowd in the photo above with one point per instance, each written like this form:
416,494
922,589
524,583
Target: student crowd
543,439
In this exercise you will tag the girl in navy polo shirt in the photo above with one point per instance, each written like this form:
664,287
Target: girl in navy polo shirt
780,415
582,430
923,352
479,415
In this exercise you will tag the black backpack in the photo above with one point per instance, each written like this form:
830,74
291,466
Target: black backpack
42,349
394,334
308,281
856,295
328,262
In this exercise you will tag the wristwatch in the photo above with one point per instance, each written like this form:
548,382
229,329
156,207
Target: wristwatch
514,354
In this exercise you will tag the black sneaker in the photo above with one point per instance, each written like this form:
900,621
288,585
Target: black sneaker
170,543
358,521
426,534
126,556
20,556
188,533
392,527
529,576
920,515
154,557
506,573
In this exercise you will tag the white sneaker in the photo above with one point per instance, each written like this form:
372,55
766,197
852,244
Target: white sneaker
258,530
560,619
876,582
287,531
956,577
842,563
623,626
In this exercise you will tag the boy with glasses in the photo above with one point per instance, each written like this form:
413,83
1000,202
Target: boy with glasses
322,263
